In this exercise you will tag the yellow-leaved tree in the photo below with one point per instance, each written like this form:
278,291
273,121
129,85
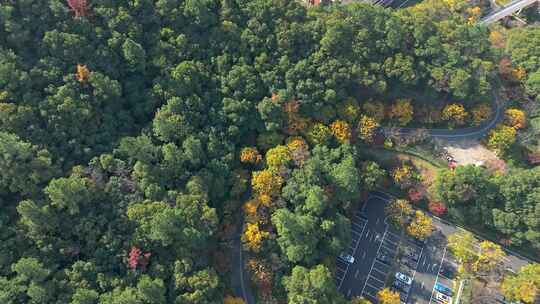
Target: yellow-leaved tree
489,257
455,114
387,296
366,128
278,157
421,226
524,286
515,118
253,237
266,182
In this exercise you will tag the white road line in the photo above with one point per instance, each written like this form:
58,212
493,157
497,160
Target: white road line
374,278
348,293
356,273
364,255
373,264
389,250
379,271
378,220
381,263
414,273
372,236
374,287
355,232
367,234
437,277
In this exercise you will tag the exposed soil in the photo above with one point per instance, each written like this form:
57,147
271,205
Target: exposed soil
471,152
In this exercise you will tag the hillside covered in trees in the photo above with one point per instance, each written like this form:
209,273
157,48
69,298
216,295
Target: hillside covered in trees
133,134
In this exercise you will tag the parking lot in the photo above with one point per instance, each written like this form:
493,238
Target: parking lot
366,276
428,266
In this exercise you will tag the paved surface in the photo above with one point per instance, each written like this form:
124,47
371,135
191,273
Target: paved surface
367,275
240,282
371,235
507,10
469,133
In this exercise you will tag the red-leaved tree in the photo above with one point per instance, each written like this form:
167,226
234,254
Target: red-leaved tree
437,208
80,7
415,195
137,259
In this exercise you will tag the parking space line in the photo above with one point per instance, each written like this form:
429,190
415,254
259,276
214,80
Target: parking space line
374,278
381,263
414,273
356,273
437,277
373,264
374,287
390,251
353,253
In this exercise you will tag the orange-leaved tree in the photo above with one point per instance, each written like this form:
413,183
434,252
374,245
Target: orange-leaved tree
341,130
250,155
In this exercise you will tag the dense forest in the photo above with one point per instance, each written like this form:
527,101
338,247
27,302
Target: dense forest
133,134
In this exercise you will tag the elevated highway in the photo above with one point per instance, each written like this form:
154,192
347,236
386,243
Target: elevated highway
506,10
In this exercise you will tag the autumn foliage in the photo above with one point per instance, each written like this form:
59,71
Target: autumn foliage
455,114
83,73
366,128
480,113
341,130
387,296
266,182
515,118
80,7
250,155
254,236
437,208
421,226
233,300
402,110
136,259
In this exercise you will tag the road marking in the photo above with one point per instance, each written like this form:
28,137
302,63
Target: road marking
364,255
367,234
356,273
372,236
377,222
348,293
381,263
374,278
414,274
373,264
355,232
379,271
373,287
389,250
437,277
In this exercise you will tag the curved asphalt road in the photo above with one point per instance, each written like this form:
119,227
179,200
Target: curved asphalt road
473,132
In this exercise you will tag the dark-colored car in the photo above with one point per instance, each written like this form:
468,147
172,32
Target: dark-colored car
401,286
413,255
409,262
448,271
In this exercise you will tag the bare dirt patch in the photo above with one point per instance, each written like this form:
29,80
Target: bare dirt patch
470,152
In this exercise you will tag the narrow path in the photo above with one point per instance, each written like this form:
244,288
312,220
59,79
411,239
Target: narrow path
240,282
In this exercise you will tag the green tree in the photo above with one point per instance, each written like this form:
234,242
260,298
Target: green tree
315,285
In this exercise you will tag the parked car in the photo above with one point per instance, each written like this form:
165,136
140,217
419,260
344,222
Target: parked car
409,262
383,257
447,271
443,289
404,278
347,258
442,298
413,255
401,286
403,297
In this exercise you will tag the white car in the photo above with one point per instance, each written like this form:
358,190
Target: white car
404,278
347,258
441,297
